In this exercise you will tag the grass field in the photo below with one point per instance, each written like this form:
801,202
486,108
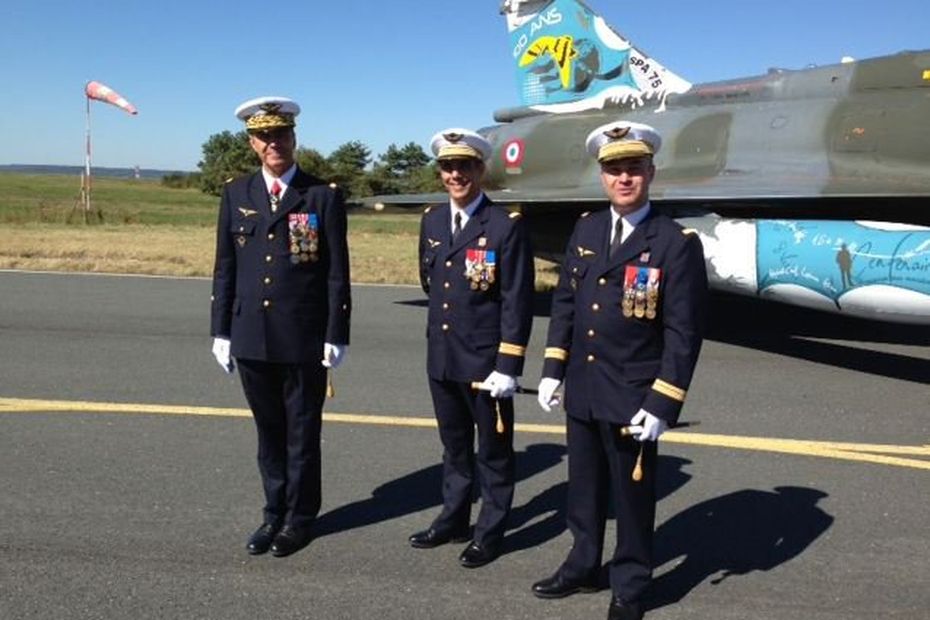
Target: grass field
150,229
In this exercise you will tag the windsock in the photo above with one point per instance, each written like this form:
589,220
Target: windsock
100,92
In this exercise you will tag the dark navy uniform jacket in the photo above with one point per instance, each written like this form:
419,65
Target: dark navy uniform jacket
471,331
274,306
612,364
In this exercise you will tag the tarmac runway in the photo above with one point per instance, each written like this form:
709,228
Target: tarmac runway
128,482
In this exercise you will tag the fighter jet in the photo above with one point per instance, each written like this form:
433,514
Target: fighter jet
809,187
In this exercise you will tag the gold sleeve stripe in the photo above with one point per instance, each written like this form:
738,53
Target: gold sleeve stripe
512,349
675,393
556,353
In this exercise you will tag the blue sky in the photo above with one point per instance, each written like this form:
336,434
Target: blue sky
376,71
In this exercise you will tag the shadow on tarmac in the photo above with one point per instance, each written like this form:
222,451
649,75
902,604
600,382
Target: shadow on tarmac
536,522
785,330
421,490
735,534
723,537
550,504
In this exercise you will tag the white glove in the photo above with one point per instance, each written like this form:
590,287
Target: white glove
547,396
334,354
646,426
500,385
221,353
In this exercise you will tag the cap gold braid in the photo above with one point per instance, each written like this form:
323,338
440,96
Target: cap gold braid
623,149
457,148
451,151
270,117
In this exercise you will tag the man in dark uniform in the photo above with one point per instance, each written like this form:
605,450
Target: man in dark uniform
476,265
281,305
625,332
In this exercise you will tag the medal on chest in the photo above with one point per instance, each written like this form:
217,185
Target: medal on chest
303,237
641,292
479,268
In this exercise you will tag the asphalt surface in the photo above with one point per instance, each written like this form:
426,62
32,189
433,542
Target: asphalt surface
128,483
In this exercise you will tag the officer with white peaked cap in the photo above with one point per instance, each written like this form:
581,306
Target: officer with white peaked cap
476,266
280,311
458,143
622,140
268,113
625,333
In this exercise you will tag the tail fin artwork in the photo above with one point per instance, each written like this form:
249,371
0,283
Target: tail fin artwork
568,59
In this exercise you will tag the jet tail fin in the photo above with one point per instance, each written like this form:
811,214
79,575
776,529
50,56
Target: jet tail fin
567,58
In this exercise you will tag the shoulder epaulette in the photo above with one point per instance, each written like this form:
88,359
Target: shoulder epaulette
428,209
229,180
515,215
689,231
585,214
333,186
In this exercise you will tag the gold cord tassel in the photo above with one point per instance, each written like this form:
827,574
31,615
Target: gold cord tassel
330,390
476,385
637,474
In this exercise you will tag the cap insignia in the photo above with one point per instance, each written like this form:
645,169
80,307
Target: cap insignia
617,133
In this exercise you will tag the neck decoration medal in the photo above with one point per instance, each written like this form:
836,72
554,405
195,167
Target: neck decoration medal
303,237
479,268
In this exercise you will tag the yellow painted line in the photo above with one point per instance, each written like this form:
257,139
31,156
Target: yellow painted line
18,405
880,454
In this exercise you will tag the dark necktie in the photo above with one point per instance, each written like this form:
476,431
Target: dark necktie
618,237
457,228
275,195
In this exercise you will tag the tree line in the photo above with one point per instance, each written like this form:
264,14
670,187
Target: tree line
399,170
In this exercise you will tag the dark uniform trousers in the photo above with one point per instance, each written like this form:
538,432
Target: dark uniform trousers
287,402
460,410
280,290
597,455
477,323
615,361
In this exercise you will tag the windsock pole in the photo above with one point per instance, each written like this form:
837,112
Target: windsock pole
85,185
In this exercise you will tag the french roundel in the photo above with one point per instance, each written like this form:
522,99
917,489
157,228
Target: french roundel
513,152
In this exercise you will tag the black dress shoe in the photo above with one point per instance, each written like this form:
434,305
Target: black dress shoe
289,540
476,555
427,539
624,611
260,540
559,586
